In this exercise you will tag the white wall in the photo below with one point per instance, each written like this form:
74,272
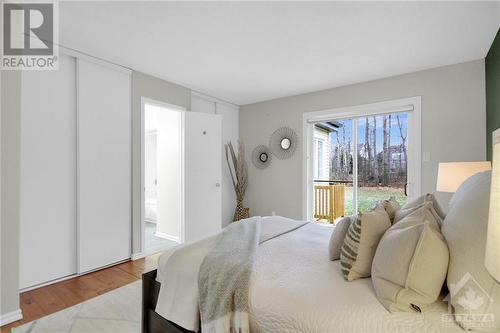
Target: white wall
144,85
150,166
230,132
10,161
453,127
169,172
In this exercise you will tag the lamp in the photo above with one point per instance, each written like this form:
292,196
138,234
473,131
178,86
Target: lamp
451,175
492,257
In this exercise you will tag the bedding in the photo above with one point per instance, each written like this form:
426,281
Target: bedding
224,277
183,268
295,288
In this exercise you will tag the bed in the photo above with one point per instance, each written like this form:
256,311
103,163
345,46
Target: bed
296,288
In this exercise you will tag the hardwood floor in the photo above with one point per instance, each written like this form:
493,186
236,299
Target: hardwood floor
43,301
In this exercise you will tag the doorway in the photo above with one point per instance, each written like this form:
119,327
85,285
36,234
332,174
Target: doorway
162,218
357,156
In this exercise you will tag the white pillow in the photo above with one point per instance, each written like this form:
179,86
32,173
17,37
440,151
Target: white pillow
474,293
337,238
410,264
391,207
424,200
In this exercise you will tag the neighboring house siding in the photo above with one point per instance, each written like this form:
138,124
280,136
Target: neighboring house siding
321,154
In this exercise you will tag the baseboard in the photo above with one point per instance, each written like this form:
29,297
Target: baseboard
48,283
11,317
162,235
138,255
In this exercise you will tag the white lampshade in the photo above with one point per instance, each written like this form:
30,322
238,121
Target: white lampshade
492,258
451,175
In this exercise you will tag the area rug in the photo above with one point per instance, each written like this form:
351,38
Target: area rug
118,311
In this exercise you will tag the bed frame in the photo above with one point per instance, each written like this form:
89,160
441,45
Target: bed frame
152,322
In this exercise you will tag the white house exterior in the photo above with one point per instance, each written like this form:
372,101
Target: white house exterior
321,153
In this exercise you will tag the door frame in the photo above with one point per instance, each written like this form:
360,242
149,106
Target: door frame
411,105
173,107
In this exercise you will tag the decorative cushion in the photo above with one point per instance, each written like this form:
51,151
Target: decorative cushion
338,236
391,207
361,242
474,294
410,264
410,207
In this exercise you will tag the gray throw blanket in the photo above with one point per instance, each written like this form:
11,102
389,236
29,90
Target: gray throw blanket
225,272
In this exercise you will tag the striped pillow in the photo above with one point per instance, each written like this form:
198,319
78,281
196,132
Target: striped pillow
361,242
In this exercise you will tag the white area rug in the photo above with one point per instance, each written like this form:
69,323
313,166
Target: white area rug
118,311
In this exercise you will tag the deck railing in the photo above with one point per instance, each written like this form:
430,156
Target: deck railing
329,202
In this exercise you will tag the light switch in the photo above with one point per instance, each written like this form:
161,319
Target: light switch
426,156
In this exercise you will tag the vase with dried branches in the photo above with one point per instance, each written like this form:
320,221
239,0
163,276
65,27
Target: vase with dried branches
238,169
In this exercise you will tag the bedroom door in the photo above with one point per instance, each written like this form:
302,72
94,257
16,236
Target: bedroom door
202,175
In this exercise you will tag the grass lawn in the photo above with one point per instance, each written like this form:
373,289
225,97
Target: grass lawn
369,196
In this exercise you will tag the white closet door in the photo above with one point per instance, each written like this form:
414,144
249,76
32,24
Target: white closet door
48,174
202,175
104,165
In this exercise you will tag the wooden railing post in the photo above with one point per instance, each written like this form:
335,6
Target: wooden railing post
329,202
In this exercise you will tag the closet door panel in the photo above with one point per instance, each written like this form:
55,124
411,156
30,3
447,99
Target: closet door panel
104,165
48,174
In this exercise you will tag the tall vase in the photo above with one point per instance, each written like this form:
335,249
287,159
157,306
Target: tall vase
240,212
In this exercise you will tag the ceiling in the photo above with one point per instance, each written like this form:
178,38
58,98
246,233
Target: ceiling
245,52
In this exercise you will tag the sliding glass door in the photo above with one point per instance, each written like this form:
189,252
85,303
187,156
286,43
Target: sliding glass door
358,162
381,151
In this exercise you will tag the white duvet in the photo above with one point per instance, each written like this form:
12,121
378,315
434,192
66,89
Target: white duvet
296,288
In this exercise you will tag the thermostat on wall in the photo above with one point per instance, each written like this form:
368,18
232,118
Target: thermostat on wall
496,136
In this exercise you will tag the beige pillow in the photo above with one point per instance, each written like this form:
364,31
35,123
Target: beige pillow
391,207
361,242
424,200
338,236
474,293
410,264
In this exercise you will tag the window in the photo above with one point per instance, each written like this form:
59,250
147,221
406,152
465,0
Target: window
320,159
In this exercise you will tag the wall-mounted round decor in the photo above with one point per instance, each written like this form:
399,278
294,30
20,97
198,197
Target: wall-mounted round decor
261,157
283,143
